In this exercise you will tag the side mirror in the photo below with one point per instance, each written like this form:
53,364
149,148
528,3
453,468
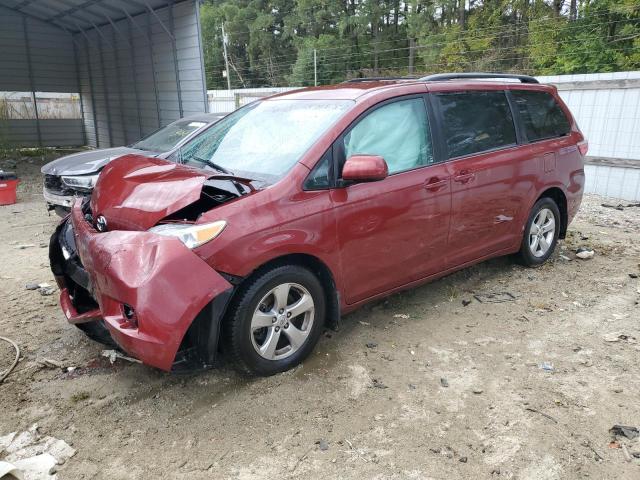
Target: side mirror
365,168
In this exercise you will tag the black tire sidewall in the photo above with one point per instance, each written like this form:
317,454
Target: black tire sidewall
526,255
243,309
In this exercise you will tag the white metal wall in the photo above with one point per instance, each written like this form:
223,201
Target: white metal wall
134,78
36,57
607,109
225,101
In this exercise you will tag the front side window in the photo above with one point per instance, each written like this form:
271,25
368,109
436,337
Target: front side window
168,137
475,122
541,115
398,132
264,139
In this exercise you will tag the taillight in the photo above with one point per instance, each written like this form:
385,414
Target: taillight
583,147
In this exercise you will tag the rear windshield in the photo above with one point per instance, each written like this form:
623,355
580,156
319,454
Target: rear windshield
476,122
541,115
168,137
264,139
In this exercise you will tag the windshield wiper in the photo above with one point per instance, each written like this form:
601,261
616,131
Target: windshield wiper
213,165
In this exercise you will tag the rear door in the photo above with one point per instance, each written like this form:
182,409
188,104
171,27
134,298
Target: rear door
393,231
491,176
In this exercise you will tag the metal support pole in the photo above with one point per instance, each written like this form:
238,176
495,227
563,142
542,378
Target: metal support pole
91,89
75,59
116,55
105,91
31,81
315,68
175,59
153,69
135,78
205,94
226,59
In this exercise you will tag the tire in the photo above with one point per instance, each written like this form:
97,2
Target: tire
534,252
261,336
97,332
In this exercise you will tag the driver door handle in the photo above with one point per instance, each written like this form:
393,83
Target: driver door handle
435,184
464,176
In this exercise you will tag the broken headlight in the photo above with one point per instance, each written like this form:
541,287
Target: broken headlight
191,235
81,182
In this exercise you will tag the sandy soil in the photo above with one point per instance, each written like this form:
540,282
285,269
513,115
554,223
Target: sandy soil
416,386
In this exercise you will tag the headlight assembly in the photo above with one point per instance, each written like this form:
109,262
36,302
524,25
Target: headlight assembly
81,182
191,235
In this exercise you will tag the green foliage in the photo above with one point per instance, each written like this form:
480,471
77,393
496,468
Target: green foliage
271,42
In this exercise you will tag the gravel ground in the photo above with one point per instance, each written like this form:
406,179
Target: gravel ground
430,383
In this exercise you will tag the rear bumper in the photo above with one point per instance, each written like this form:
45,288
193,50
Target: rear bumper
161,280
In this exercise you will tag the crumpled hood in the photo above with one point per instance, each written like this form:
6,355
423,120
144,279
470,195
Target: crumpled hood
84,163
135,192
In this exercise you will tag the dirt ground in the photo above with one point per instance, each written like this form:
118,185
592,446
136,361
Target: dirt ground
421,385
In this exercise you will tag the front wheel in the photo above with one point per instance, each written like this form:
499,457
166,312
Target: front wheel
276,320
540,233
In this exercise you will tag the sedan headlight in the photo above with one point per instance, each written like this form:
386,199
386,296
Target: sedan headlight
81,182
191,235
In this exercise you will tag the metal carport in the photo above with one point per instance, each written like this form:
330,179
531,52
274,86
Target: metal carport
137,65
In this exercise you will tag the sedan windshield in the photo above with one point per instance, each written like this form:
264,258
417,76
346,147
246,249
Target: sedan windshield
265,139
168,137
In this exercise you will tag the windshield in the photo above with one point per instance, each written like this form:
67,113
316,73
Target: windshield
264,139
168,137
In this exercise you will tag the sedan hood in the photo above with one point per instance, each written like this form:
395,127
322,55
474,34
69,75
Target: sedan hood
84,163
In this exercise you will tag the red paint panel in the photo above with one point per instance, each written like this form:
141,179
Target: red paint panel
165,283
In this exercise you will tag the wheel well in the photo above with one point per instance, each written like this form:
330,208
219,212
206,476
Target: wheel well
317,266
558,196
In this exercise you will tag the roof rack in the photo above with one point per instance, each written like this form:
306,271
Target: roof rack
378,79
455,76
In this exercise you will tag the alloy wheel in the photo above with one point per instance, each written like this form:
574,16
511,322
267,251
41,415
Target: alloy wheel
282,321
542,232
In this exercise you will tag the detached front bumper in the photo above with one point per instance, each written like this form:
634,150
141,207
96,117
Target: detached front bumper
148,290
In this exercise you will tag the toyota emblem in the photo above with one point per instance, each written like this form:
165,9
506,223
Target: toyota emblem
101,224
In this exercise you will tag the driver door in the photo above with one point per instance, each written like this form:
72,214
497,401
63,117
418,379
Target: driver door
394,231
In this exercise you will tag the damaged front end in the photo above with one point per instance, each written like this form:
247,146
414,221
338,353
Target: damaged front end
156,298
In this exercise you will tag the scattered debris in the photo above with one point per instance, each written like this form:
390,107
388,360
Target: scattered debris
25,246
624,431
112,355
372,344
633,275
47,362
547,366
444,382
463,459
401,315
585,253
466,303
322,444
616,337
620,206
378,384
499,297
46,291
625,452
477,391
565,258
34,456
32,286
366,324
546,415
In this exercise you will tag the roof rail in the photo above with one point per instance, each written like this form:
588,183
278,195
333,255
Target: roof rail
378,79
455,76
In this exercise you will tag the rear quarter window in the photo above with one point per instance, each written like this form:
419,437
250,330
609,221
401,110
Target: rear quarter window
474,122
541,115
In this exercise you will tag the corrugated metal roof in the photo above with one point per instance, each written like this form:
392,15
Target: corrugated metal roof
77,15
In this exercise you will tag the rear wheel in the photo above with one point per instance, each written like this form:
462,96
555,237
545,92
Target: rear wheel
276,320
541,233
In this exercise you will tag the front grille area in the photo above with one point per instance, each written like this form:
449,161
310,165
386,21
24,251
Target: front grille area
53,183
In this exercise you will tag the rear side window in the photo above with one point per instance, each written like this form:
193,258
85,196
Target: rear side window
541,115
475,122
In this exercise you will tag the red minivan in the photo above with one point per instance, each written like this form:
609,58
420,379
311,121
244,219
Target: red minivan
295,209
